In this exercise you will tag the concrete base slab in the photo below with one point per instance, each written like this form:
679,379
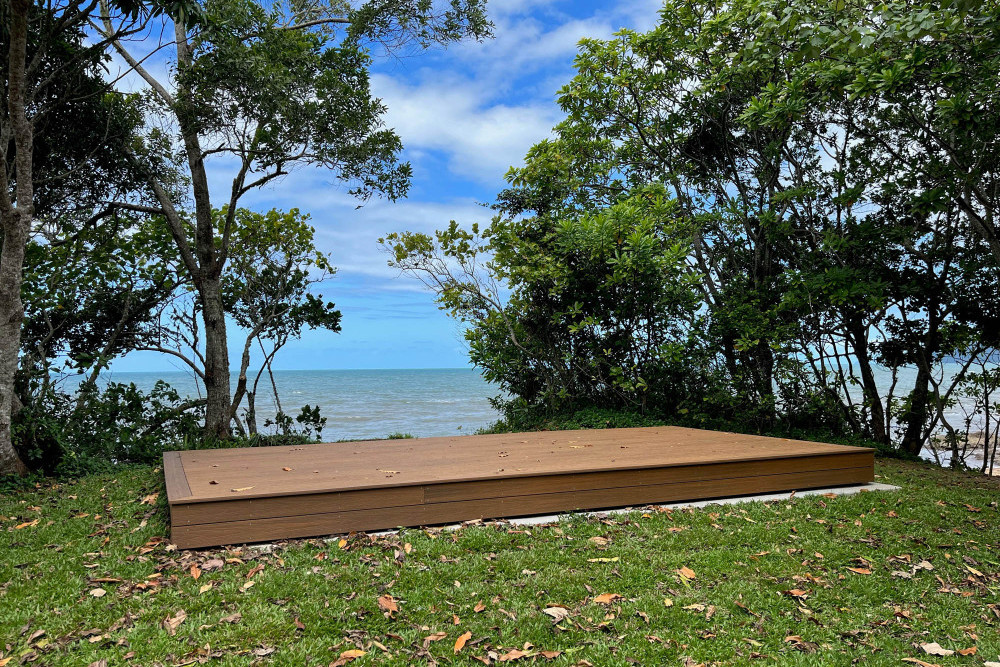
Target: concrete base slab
735,500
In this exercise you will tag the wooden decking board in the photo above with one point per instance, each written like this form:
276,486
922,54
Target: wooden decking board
240,495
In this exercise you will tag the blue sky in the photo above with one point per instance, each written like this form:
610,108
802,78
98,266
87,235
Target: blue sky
465,114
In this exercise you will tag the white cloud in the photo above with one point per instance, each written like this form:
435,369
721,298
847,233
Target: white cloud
452,115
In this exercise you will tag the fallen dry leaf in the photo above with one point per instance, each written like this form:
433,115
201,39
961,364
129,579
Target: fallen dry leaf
28,524
388,604
922,663
667,602
347,656
556,612
860,570
232,618
98,592
972,650
171,623
687,573
150,499
512,655
195,572
936,649
607,598
461,641
242,488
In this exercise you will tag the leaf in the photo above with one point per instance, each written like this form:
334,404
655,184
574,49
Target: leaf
348,656
936,649
860,570
388,604
556,612
603,560
796,593
29,524
599,541
551,655
150,499
972,650
204,588
171,623
687,573
98,592
232,618
479,608
461,641
917,661
512,655
286,469
607,598
242,488
667,602
195,572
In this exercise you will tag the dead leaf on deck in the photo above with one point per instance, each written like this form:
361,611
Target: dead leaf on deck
461,641
171,623
287,469
242,488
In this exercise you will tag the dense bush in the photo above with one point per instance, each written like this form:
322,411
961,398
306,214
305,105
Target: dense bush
95,427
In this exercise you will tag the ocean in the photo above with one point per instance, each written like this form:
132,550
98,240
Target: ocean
361,404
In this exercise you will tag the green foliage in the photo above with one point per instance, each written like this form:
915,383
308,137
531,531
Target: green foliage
99,427
830,171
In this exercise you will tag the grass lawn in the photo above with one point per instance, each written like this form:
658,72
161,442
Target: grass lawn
87,577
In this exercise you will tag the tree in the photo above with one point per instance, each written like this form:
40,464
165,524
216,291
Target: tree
268,290
270,89
837,212
52,73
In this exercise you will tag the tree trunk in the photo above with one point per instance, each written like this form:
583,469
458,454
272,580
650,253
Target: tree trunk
877,423
16,222
218,410
11,317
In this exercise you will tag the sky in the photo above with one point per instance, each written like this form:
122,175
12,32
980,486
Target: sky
465,115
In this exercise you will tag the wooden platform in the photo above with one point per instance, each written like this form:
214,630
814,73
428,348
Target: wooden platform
227,496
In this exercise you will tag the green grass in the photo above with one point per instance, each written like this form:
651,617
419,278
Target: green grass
314,600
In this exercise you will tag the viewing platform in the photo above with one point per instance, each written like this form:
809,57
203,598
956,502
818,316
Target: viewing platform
235,496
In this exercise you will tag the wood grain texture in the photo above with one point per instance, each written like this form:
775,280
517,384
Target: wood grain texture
334,522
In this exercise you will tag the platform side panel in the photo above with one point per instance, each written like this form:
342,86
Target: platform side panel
260,508
329,523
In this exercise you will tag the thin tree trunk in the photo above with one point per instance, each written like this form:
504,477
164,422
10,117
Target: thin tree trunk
876,424
16,221
218,409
